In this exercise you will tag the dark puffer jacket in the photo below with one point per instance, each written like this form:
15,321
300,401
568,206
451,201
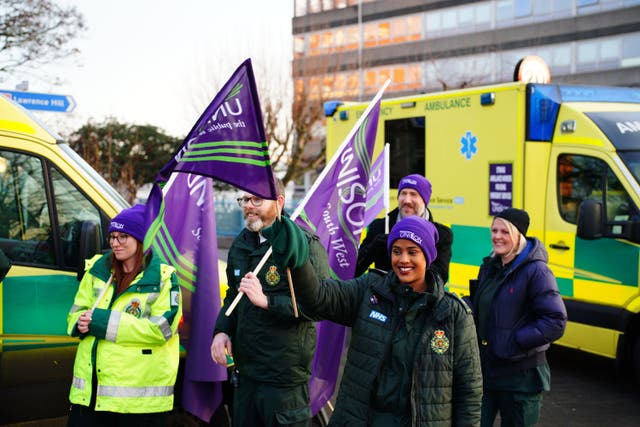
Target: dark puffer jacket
446,385
526,313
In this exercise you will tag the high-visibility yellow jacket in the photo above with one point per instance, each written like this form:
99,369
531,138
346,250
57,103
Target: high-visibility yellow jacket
132,346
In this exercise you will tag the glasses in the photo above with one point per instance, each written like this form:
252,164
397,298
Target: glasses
255,201
122,238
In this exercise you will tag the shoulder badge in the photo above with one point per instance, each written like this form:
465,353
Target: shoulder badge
133,308
272,276
439,342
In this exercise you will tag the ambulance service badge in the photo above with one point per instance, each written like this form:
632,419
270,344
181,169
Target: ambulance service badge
273,278
439,342
134,308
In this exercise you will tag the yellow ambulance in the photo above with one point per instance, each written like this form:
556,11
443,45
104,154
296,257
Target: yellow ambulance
54,213
569,155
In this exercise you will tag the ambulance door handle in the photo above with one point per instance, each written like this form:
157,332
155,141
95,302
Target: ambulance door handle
560,245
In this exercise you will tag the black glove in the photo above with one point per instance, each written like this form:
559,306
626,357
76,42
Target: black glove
289,243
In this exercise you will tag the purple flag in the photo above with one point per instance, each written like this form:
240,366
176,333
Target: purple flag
186,239
228,141
377,188
334,209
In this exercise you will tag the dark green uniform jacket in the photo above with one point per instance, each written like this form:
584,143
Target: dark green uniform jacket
446,383
270,346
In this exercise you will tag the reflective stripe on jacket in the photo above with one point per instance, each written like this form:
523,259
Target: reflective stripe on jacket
133,345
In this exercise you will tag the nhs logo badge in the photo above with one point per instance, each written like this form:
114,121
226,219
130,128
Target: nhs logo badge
378,316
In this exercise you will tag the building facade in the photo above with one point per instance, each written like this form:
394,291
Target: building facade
346,49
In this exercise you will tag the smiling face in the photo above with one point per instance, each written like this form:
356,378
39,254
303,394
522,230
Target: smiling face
409,264
502,240
124,247
410,203
258,217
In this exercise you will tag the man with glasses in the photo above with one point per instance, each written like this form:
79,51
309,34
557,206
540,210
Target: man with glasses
272,349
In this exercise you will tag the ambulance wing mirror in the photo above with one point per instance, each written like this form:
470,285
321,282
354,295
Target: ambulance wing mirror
590,224
89,245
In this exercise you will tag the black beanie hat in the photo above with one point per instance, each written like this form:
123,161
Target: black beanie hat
517,217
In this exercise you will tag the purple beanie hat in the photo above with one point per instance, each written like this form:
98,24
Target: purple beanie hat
420,231
130,221
418,183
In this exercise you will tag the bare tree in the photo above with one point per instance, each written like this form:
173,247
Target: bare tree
36,32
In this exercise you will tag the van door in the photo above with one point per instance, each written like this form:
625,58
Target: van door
595,277
41,215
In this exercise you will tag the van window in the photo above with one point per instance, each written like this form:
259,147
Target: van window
72,208
406,147
25,227
585,177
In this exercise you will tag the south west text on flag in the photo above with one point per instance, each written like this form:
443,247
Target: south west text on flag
378,187
334,209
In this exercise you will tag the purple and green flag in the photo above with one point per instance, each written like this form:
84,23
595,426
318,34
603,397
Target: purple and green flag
227,143
334,209
378,187
186,239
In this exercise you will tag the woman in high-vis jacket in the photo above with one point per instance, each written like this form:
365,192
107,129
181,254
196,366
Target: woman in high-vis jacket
126,313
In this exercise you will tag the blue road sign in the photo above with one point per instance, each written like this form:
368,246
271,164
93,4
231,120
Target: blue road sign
41,101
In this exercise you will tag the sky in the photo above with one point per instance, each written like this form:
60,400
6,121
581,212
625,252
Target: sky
161,62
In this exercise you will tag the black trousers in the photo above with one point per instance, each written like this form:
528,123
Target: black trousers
83,416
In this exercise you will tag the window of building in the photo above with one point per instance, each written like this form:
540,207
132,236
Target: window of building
370,34
300,7
384,32
631,50
587,56
353,38
482,16
314,43
504,10
298,46
522,8
326,41
433,22
414,27
327,4
449,19
542,7
314,6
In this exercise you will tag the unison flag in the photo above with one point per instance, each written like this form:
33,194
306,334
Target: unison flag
334,209
227,143
378,187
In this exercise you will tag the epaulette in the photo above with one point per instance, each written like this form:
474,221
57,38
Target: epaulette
460,300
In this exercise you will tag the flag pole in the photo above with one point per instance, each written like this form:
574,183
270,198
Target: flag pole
335,157
386,184
315,185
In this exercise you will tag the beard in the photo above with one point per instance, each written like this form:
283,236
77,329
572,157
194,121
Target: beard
255,225
420,211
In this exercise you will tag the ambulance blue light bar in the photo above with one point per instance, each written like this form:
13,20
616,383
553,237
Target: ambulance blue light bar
330,107
544,101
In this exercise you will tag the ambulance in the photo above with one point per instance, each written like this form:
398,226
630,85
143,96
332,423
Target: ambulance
54,213
569,155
